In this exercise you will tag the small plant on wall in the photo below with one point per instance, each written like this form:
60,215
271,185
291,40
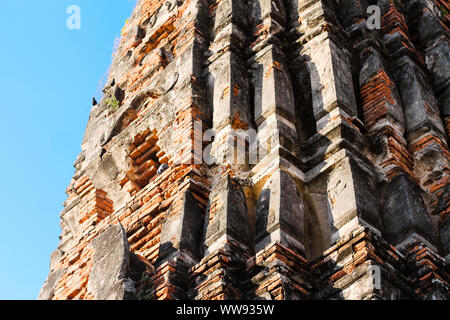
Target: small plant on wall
113,103
123,29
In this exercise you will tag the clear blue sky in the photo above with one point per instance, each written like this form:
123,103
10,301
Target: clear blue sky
48,75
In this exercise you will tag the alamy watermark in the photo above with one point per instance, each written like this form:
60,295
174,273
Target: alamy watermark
235,147
374,19
376,273
73,22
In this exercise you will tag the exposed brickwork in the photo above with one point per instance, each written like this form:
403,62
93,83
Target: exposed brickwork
281,274
351,198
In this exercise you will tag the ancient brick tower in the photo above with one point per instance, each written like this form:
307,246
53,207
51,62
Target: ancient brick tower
348,200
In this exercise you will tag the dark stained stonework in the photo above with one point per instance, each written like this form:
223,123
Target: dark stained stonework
183,233
404,212
347,198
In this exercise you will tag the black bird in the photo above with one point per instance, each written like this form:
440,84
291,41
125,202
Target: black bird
94,102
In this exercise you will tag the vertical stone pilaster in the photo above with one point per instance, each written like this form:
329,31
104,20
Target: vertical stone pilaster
425,20
180,249
227,216
383,114
329,65
221,273
404,212
280,241
280,216
228,78
425,131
